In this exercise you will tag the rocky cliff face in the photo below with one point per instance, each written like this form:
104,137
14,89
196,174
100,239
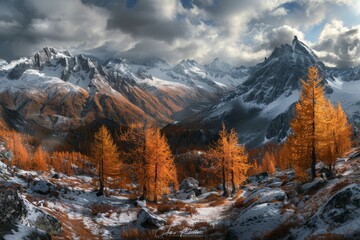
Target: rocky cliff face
267,98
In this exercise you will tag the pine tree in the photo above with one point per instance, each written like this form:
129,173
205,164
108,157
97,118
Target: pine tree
106,157
309,124
160,167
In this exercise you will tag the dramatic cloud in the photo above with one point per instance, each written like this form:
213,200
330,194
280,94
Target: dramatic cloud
239,31
339,45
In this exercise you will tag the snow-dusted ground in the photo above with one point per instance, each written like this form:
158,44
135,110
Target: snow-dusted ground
261,208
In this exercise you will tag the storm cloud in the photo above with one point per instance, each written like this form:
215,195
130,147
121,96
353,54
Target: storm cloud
239,31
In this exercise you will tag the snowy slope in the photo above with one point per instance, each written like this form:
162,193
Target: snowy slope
260,108
58,90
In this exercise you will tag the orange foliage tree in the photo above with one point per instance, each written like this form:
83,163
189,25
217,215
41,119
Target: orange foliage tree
39,159
228,159
160,166
106,157
315,134
268,164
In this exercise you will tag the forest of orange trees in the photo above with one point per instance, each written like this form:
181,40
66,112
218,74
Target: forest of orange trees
140,156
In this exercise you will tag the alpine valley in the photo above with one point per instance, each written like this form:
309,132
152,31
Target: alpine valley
58,92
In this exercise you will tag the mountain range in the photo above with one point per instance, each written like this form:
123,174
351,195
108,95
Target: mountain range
58,91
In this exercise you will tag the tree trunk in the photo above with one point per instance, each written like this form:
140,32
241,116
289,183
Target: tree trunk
313,150
156,176
233,191
101,173
225,194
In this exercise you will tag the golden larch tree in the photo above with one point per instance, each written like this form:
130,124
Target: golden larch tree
228,159
39,159
238,161
160,167
133,152
268,164
309,124
339,135
106,157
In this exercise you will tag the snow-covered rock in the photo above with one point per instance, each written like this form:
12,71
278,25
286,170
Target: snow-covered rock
20,232
42,186
14,209
146,219
189,184
265,195
313,185
258,220
340,215
12,206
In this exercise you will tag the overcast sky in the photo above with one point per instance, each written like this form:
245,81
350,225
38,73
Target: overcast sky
241,32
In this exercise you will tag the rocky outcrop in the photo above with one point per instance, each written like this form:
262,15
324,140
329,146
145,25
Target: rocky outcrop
16,211
12,205
146,219
20,232
42,186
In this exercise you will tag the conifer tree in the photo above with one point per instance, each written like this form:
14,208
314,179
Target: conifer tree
238,158
39,159
160,167
268,164
106,157
228,159
309,124
133,152
339,136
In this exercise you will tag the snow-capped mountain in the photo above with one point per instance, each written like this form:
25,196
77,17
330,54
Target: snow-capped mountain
261,108
60,91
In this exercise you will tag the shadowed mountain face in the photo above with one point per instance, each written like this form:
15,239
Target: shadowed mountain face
261,108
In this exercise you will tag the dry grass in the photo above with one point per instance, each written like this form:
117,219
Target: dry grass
134,234
239,202
72,228
338,186
281,231
218,202
101,208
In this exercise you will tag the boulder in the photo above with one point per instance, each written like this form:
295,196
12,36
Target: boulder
12,206
14,209
147,219
340,215
189,184
41,220
185,195
20,232
313,186
42,187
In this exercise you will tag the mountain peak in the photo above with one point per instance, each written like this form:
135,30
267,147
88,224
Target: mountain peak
295,39
46,54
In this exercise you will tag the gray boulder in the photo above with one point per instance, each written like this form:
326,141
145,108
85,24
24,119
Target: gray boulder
147,219
42,187
20,232
14,209
12,206
189,184
313,186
